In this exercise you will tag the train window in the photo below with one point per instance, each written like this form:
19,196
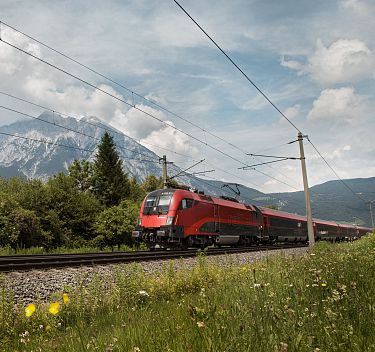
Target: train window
157,205
186,203
150,202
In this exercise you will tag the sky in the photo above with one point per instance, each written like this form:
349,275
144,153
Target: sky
313,59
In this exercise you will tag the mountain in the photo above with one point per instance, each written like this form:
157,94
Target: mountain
333,200
69,139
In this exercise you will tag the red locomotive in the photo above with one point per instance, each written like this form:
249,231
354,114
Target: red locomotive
177,218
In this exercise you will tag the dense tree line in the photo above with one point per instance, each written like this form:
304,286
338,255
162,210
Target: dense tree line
95,204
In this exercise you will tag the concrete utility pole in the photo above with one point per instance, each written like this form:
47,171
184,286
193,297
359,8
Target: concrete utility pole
372,218
310,228
164,159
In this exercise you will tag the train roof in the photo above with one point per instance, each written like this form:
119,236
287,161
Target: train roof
283,214
225,201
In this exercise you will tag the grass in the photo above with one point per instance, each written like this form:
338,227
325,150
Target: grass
322,301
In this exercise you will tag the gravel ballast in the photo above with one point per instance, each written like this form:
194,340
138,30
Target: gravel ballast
35,285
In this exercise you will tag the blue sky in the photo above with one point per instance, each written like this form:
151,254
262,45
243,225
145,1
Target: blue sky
313,59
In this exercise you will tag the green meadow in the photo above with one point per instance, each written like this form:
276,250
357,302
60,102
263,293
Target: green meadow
321,301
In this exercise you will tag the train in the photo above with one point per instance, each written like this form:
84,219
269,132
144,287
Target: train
175,218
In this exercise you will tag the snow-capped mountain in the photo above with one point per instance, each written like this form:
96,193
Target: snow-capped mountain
66,139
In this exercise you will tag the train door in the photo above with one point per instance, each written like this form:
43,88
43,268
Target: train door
264,230
216,218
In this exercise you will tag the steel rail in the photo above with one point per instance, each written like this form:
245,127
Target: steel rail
48,261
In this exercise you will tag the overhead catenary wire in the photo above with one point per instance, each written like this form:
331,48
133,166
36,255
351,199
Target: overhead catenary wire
72,130
65,127
133,93
333,170
47,142
260,91
101,126
237,67
121,100
137,108
64,145
146,99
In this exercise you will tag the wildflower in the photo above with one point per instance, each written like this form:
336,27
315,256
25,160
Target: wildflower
283,347
136,349
30,309
143,293
201,324
66,298
54,308
256,285
323,284
244,268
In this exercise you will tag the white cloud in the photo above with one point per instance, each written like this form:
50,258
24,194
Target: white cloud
362,7
339,152
291,113
137,124
292,64
338,104
343,61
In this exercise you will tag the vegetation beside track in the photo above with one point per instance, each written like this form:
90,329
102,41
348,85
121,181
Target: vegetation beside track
323,301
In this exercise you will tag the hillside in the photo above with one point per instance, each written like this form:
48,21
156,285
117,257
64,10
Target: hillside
332,200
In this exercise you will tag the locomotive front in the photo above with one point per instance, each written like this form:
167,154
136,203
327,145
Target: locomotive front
156,223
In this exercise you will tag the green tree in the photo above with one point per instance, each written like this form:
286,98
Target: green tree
137,192
23,228
111,184
152,183
116,224
76,210
82,172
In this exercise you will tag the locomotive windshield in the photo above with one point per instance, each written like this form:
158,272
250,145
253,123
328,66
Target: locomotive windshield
156,204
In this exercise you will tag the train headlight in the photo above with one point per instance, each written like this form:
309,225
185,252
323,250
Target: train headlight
169,220
139,221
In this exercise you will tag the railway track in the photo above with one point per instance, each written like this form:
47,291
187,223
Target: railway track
32,262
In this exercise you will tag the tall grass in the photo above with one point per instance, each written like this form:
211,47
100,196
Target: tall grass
322,301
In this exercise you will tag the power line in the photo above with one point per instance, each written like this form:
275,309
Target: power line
332,169
119,99
64,127
133,105
69,129
137,108
238,68
65,146
124,87
111,130
47,142
260,91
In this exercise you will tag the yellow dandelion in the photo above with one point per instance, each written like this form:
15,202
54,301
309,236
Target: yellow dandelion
323,284
66,298
30,309
54,308
244,268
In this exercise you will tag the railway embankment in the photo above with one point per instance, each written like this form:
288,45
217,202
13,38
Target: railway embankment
307,301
